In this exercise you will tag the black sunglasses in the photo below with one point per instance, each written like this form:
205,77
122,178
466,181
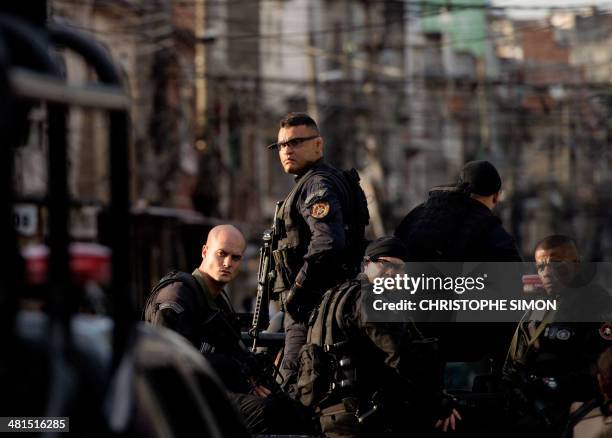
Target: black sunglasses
385,263
558,268
293,142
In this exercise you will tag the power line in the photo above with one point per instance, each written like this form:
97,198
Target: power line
315,32
433,82
422,3
144,35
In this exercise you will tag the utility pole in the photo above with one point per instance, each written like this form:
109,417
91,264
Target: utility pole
200,75
311,67
485,137
348,117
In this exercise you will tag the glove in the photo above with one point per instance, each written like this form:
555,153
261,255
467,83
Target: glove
298,303
448,403
450,416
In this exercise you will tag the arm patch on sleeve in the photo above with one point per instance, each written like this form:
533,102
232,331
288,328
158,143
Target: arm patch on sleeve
319,209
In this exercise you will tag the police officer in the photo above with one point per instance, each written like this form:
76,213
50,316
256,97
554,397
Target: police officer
550,355
320,230
182,302
196,306
371,379
456,223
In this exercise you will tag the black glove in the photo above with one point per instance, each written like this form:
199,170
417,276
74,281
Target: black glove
448,402
299,303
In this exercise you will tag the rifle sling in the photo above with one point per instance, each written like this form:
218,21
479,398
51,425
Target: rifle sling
513,350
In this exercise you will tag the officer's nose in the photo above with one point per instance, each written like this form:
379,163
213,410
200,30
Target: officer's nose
546,271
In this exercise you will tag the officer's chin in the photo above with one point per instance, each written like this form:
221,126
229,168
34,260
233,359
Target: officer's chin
224,277
292,170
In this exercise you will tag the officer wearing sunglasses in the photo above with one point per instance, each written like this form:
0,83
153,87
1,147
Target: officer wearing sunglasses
320,227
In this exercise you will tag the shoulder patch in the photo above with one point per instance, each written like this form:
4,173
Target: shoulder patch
605,331
319,209
315,195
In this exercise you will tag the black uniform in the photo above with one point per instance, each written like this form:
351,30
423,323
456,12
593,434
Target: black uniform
320,243
451,226
350,368
185,305
549,360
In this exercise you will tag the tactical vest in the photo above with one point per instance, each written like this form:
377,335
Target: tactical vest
327,367
292,244
197,303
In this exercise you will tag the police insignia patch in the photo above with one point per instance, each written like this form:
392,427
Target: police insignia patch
605,331
319,210
563,335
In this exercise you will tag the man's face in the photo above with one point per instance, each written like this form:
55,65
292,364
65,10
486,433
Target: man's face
382,267
222,256
556,266
297,158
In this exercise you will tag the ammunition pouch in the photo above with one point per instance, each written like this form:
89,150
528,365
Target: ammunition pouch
326,374
340,418
287,260
314,374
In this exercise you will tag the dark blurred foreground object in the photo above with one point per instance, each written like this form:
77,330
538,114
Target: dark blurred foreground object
162,387
109,376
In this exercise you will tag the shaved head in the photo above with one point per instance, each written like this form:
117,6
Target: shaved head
226,232
221,256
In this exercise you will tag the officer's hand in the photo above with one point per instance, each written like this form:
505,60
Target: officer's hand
291,302
259,390
451,421
295,303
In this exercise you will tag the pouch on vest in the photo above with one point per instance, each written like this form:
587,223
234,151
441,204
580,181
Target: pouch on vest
285,258
338,421
313,376
321,374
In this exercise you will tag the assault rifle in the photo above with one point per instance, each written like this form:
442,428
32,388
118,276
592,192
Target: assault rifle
266,275
219,336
